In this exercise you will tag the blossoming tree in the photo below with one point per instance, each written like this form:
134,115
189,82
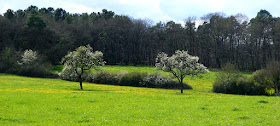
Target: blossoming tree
180,65
82,59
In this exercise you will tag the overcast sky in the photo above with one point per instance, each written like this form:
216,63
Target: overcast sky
156,10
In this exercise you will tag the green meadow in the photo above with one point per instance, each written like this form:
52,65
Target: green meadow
38,101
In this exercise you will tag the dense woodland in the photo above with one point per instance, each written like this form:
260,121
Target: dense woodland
127,41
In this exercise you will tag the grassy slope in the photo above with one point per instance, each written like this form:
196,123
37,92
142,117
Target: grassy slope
203,83
36,101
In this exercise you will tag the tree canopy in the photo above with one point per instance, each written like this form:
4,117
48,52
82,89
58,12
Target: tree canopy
180,65
82,59
248,44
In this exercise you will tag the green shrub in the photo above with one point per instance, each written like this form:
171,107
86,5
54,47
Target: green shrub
260,77
43,70
137,79
176,85
226,83
87,76
257,84
8,61
244,86
261,82
27,64
105,77
247,86
119,75
273,75
220,86
32,64
230,81
133,79
68,73
226,79
156,80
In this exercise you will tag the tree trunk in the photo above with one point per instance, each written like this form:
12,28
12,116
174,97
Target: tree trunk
276,92
182,86
81,82
181,83
81,85
80,78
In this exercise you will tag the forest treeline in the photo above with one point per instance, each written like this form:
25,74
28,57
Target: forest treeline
127,41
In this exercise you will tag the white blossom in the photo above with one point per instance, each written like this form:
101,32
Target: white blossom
180,65
28,57
80,60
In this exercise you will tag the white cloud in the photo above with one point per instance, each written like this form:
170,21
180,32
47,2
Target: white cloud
182,23
143,9
77,8
157,10
166,18
198,22
4,9
139,2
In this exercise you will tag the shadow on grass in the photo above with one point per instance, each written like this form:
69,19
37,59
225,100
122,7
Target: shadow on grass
263,101
244,117
89,90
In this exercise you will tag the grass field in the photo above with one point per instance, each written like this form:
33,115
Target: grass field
36,101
